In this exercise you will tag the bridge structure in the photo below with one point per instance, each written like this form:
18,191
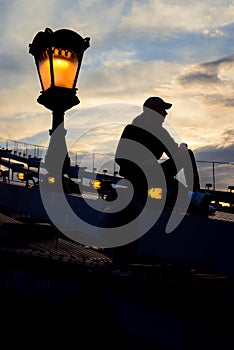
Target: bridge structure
194,262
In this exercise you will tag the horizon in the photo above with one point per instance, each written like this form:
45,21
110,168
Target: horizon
210,171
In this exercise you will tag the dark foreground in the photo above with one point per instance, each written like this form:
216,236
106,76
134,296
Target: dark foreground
54,292
165,318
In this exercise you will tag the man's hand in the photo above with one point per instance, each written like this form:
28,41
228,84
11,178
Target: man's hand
183,146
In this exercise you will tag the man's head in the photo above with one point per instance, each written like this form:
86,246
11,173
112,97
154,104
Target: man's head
157,104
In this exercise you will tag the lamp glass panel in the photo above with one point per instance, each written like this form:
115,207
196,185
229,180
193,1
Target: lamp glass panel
65,65
44,71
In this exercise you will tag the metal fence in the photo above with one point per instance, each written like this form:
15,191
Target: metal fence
23,149
216,175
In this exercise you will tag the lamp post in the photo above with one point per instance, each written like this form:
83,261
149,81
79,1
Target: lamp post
58,57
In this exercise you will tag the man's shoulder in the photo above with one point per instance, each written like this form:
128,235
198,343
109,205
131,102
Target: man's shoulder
133,131
130,128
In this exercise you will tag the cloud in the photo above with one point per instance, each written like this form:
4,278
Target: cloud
203,99
166,17
126,80
209,73
214,153
228,136
24,125
214,33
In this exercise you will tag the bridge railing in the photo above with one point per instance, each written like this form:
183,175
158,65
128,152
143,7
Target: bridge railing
216,175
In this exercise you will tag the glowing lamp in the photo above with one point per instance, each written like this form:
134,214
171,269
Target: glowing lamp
155,193
21,176
96,184
51,180
103,187
58,56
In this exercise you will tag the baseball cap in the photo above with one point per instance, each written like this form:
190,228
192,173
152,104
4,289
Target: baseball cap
154,102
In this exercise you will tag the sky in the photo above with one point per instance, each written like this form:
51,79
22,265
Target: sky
182,51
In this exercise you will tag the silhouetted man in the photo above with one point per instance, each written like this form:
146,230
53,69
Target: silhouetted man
147,131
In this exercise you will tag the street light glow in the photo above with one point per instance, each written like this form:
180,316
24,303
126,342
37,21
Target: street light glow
65,65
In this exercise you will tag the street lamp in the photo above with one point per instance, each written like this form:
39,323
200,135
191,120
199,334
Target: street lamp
58,57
